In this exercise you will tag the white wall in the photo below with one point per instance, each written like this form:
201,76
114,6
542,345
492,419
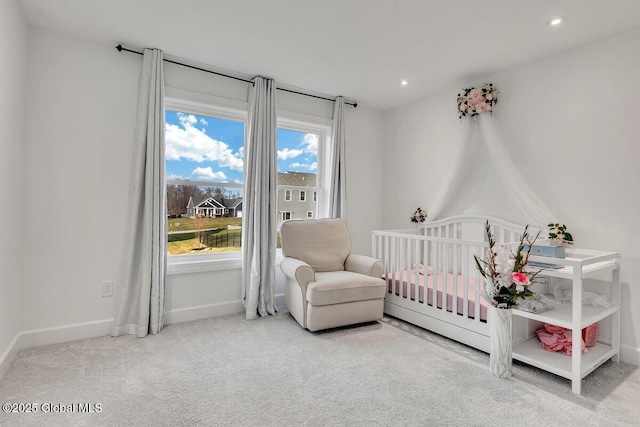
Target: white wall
82,106
82,110
571,122
13,67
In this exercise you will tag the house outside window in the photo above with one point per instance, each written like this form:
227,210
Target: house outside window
300,168
204,175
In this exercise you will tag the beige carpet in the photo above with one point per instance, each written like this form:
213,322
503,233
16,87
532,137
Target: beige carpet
270,372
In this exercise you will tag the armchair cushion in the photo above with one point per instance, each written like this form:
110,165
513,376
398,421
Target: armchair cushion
336,287
324,244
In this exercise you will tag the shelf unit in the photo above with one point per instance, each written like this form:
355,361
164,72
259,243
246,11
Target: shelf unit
579,264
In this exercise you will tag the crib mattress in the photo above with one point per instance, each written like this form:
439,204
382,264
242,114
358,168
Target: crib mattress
407,280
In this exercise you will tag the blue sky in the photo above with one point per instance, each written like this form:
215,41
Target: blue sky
210,149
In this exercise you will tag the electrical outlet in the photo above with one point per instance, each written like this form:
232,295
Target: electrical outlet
107,288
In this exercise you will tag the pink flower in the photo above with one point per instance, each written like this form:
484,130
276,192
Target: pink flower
520,279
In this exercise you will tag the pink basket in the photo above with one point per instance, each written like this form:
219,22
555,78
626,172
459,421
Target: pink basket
590,334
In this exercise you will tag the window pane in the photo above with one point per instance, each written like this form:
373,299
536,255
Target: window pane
297,167
204,168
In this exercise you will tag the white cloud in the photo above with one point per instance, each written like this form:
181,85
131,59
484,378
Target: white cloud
203,122
207,174
310,143
187,119
310,166
288,154
193,144
174,176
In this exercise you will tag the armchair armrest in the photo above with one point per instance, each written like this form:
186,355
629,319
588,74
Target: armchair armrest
364,265
299,271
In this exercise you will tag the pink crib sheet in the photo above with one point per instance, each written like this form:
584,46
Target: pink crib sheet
407,277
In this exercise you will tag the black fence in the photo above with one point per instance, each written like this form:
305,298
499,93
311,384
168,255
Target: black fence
232,238
216,239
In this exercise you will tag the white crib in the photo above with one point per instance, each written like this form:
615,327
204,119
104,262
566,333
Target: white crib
431,274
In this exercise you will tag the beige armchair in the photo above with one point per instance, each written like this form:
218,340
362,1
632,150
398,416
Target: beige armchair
327,285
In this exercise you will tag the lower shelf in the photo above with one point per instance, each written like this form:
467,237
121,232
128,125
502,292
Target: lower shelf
532,353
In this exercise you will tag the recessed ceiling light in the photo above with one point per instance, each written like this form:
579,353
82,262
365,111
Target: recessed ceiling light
556,21
404,83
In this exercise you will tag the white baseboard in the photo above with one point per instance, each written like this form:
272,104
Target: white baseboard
202,312
211,310
64,333
630,355
9,354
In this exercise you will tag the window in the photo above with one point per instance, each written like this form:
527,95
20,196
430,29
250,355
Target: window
285,215
204,176
300,148
204,138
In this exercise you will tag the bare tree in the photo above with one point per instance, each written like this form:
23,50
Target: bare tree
201,225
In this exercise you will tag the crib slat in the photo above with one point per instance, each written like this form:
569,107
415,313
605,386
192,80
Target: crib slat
436,274
406,246
479,283
445,276
416,251
454,277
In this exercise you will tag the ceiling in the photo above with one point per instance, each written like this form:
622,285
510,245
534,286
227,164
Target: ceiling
360,49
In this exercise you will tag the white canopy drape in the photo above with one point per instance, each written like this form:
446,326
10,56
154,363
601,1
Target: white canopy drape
480,138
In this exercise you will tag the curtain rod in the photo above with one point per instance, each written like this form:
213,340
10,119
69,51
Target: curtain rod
121,48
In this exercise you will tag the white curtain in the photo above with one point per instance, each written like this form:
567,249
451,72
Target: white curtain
259,203
141,282
338,186
480,139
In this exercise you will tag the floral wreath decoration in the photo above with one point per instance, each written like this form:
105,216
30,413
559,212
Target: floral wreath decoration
473,101
419,215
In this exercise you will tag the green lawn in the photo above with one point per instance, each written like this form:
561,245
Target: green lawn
191,246
185,224
222,239
218,240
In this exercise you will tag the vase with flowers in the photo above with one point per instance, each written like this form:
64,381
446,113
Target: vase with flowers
558,235
506,284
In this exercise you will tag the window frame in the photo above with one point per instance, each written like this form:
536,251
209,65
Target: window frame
287,195
303,194
210,106
225,108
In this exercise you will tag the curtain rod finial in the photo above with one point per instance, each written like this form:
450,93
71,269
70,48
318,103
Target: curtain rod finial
119,47
355,105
